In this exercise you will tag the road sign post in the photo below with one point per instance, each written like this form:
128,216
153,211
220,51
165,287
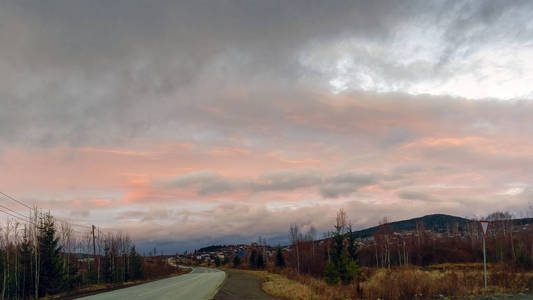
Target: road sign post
484,227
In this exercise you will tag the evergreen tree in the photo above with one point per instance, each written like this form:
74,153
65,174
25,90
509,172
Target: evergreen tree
331,276
217,261
51,275
136,265
341,263
280,259
352,246
236,261
260,261
25,259
107,266
253,259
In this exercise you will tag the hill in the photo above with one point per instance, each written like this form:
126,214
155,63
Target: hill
435,222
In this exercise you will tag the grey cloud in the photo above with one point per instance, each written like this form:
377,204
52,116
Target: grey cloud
397,135
101,72
205,182
286,180
84,213
209,182
152,214
415,195
346,184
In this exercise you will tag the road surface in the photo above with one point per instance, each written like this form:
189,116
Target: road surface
200,284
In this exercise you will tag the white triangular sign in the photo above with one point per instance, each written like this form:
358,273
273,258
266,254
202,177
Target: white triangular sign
484,226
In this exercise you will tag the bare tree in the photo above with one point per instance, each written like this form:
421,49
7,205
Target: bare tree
294,236
340,224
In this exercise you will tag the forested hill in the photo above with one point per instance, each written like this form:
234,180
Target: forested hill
211,248
436,222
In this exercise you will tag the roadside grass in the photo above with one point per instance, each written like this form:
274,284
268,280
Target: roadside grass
283,287
440,281
417,283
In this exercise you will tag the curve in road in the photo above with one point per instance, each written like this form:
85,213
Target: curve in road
200,284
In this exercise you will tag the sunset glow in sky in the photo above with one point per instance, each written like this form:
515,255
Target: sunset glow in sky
186,124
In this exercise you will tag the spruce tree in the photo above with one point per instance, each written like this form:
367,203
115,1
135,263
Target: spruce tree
280,259
260,261
107,266
136,265
25,259
253,259
352,246
342,265
236,261
51,275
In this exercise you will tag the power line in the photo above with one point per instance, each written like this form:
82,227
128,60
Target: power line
23,217
72,224
5,207
19,202
19,218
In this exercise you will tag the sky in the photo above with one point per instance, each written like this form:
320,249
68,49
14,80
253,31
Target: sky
188,123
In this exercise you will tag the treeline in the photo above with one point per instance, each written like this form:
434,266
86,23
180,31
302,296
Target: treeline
42,257
506,243
340,255
335,258
394,265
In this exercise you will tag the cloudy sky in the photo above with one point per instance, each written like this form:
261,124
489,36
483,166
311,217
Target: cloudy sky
219,121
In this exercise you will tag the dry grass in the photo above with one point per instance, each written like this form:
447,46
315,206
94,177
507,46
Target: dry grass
283,287
449,281
414,283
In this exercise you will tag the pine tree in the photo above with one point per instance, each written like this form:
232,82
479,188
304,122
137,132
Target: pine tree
331,276
107,266
51,268
136,265
341,263
217,261
280,259
236,261
25,258
260,261
352,246
253,259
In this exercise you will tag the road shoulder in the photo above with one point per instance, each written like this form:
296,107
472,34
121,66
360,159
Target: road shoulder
240,285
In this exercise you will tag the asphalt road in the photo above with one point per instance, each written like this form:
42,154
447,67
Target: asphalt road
200,284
